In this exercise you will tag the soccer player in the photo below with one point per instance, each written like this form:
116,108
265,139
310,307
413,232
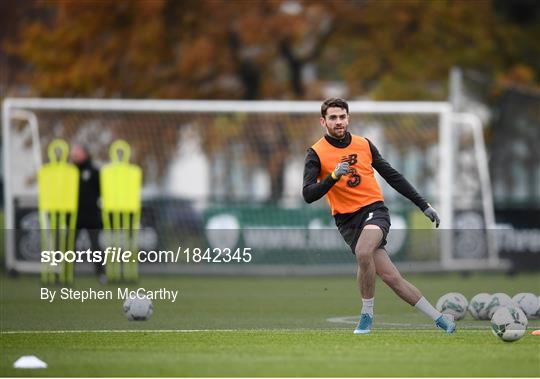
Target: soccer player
340,165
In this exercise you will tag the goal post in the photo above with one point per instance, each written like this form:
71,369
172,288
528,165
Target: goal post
237,165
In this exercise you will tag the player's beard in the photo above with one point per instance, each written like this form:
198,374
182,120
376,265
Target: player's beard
331,132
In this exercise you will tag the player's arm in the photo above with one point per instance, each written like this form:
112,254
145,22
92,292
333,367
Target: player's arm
400,184
312,189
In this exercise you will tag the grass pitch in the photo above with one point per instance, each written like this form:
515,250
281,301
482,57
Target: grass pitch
225,326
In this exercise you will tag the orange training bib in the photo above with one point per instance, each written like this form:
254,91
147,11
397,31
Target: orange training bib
358,187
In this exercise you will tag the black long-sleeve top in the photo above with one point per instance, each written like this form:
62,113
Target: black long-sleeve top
313,190
89,213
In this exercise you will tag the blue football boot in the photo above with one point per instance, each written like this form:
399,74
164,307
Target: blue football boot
446,323
364,325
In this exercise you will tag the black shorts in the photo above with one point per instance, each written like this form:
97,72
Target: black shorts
350,225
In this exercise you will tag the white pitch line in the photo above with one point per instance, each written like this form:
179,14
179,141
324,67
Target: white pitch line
343,320
166,331
116,331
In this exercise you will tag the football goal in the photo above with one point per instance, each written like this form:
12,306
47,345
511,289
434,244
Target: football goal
228,174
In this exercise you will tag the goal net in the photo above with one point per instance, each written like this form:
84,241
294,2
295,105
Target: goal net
228,174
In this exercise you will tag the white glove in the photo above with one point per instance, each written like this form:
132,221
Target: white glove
340,170
432,214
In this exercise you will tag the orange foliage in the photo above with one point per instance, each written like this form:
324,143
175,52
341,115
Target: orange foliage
258,49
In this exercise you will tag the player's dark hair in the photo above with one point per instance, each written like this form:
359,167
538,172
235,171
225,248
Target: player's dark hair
334,102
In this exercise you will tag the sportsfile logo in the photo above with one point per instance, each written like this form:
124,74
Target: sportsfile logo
109,255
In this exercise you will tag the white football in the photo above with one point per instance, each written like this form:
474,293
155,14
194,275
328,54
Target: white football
497,301
528,303
537,313
509,323
453,303
478,306
138,308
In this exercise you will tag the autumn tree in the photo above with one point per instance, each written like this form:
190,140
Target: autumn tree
405,49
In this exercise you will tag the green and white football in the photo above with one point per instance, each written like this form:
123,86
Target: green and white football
528,302
498,300
509,323
478,306
453,303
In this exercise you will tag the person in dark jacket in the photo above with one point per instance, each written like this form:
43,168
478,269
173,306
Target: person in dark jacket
89,212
